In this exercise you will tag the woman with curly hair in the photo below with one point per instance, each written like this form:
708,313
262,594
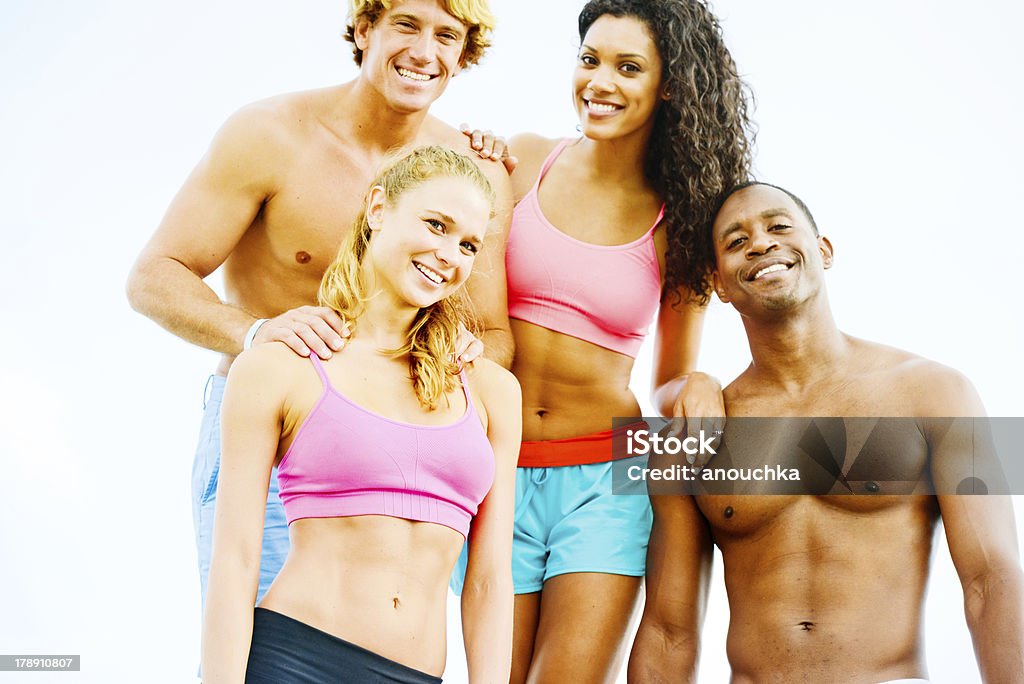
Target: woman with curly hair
607,227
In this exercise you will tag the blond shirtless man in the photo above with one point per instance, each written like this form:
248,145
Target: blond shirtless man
826,588
280,185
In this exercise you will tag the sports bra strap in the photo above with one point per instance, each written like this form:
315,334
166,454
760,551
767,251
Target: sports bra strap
319,366
551,159
465,388
657,221
319,369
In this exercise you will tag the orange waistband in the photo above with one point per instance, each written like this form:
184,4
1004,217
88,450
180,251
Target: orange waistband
583,450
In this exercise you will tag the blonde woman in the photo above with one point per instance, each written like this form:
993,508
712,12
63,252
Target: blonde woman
389,455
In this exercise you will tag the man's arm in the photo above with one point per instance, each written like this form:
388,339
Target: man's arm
980,529
667,644
202,226
486,287
982,540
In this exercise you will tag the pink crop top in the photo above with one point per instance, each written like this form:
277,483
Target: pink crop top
606,295
347,460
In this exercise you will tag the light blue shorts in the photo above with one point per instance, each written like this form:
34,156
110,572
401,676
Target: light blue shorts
204,496
568,520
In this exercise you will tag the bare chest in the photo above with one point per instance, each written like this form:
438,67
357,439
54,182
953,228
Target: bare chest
819,456
303,224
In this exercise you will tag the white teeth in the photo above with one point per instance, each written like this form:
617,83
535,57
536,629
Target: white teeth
432,275
601,108
770,269
405,73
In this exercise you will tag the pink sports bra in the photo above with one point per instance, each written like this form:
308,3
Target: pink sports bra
347,460
606,295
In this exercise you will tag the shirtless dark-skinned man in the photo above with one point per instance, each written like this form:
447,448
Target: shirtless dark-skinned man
826,587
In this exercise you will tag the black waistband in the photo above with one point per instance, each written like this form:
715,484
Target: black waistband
287,651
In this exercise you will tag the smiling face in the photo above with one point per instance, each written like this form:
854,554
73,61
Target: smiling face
617,81
767,254
424,244
411,52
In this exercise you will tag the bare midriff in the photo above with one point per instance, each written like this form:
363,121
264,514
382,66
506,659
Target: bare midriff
570,387
375,581
800,571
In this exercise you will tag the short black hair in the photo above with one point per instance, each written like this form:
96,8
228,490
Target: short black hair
742,186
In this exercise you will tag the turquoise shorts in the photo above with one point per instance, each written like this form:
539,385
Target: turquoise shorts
568,520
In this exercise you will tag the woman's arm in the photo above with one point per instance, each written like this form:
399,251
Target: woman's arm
487,595
250,429
679,390
676,348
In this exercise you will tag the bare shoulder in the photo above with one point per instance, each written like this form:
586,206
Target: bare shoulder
925,387
437,132
279,125
532,150
934,389
262,125
267,367
495,386
500,400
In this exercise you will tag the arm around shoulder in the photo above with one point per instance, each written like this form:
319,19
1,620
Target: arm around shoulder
487,599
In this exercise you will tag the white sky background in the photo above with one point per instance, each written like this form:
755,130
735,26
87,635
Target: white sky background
897,122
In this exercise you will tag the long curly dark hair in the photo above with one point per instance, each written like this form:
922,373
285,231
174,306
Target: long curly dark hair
701,144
